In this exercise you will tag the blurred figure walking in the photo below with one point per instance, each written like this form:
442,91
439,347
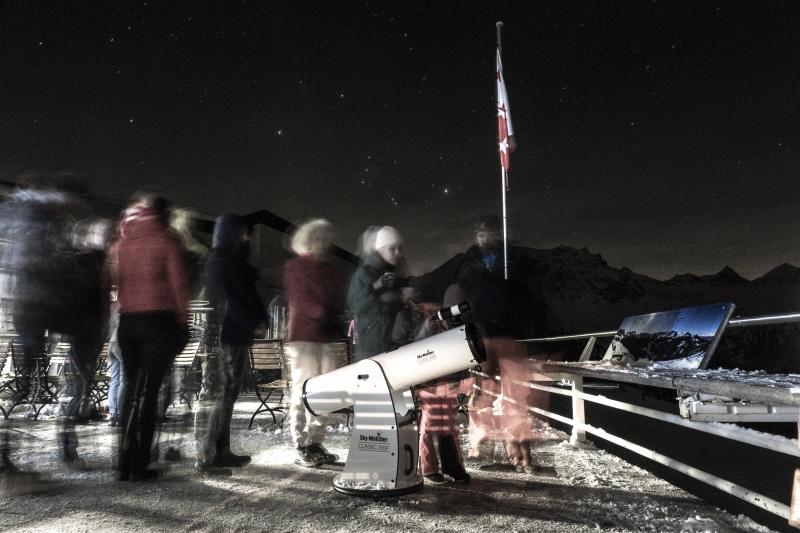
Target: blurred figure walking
238,316
315,294
153,299
57,287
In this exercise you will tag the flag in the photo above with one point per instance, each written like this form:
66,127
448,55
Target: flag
505,132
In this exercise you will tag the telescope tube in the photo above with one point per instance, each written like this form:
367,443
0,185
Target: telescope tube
430,358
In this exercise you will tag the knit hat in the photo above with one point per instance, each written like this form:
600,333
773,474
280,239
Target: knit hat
387,236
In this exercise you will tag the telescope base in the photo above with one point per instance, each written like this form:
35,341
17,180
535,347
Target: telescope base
377,493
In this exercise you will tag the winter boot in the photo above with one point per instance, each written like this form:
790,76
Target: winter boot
322,455
208,468
306,458
452,465
436,479
68,443
227,458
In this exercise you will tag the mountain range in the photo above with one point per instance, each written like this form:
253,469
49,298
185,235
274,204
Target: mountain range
581,292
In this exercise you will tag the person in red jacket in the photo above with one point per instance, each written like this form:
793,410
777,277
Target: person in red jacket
153,294
315,294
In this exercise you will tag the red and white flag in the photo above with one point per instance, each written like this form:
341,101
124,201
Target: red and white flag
505,132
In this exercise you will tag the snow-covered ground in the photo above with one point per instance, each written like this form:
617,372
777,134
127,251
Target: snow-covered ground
572,490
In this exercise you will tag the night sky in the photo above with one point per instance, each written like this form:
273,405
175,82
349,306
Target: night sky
664,135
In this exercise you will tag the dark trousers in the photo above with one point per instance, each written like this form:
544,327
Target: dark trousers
83,362
149,343
79,373
224,372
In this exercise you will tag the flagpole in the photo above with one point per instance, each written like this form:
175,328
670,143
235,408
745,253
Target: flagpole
503,180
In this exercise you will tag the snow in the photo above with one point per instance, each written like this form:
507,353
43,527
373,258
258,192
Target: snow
648,369
572,489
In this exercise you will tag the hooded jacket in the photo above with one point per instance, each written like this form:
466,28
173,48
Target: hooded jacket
151,266
374,310
231,283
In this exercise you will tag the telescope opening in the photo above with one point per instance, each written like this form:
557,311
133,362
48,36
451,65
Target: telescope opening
475,342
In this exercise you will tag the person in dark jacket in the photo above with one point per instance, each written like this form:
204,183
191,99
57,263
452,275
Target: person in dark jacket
373,294
315,295
239,315
502,310
153,294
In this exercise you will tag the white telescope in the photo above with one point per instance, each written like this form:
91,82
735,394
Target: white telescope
384,443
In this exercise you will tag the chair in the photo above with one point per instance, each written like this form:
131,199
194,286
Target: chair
266,364
99,386
185,363
29,372
6,377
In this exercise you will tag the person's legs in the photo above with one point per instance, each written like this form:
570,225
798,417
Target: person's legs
83,355
115,381
325,362
482,420
133,383
206,418
448,438
237,364
304,365
429,462
452,457
158,352
85,350
515,420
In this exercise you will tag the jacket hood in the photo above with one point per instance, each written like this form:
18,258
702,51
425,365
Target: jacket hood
228,234
138,221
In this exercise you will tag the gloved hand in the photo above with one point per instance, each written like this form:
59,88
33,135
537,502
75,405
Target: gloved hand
386,281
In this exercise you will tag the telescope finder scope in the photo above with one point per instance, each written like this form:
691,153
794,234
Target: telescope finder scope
453,311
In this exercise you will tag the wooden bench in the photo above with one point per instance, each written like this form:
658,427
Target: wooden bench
267,367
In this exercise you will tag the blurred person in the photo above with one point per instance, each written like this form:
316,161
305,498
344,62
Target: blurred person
90,305
153,292
315,294
182,220
57,288
374,293
503,310
238,316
